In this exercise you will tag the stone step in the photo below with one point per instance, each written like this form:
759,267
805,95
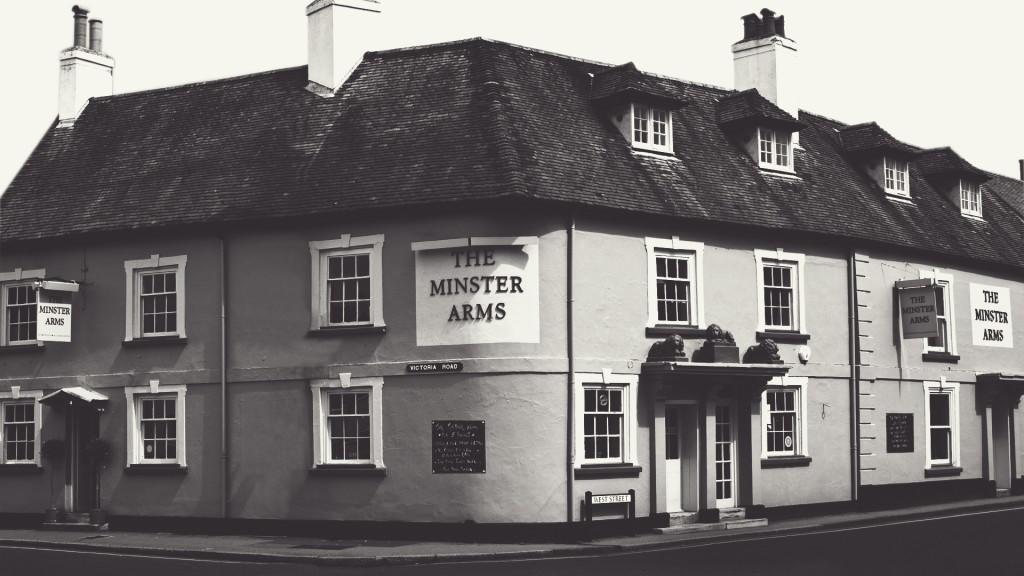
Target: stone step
1002,492
681,518
726,525
731,514
75,526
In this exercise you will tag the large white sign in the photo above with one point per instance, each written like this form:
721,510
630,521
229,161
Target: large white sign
53,322
991,320
477,291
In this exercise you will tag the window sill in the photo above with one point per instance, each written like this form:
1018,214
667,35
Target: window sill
662,330
778,171
155,341
902,199
942,471
783,336
333,331
940,357
364,470
607,471
28,468
23,349
156,469
785,462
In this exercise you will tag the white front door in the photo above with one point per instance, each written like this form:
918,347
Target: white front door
725,456
673,459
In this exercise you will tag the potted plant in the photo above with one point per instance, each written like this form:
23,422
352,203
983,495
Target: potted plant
52,451
98,453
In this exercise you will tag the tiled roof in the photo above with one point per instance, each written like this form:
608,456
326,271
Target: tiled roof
624,82
945,161
469,121
870,137
749,106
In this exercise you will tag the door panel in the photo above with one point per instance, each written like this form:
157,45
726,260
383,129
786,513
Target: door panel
673,460
725,456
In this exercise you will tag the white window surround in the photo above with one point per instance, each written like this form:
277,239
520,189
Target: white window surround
950,309
17,277
16,395
695,250
970,198
795,261
346,244
777,139
134,434
896,177
319,389
799,384
605,379
953,390
649,116
132,291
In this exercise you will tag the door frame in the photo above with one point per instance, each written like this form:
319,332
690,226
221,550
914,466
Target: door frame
685,458
732,406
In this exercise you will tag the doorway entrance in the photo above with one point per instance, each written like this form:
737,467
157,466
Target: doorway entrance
682,457
81,408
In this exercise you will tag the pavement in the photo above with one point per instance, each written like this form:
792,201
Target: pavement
378,552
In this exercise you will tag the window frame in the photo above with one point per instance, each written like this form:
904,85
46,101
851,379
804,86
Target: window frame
320,390
694,252
970,187
649,121
795,262
347,245
895,165
952,390
797,385
134,271
133,414
627,383
16,396
949,307
773,155
18,277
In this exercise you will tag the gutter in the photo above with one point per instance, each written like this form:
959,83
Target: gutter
570,433
854,351
224,460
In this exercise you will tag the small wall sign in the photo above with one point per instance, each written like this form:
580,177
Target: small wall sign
991,320
899,432
53,322
917,312
433,367
458,447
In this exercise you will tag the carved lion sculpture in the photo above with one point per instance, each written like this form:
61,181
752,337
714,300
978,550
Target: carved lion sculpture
716,335
671,348
766,352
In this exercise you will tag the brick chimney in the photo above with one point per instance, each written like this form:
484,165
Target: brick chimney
85,71
766,59
339,32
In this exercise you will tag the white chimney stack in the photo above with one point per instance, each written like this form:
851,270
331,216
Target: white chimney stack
85,71
766,59
340,31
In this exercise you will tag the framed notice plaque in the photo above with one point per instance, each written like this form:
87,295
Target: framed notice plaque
458,447
899,432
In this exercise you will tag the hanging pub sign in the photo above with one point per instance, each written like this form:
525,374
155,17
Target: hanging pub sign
918,315
53,322
991,321
477,291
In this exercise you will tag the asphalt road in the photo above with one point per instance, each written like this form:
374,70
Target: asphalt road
980,543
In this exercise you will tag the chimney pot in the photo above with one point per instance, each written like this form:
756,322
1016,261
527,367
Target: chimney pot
81,22
1021,162
751,23
768,24
780,25
96,35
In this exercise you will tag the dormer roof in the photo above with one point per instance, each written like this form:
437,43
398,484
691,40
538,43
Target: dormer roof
625,83
748,108
869,137
946,162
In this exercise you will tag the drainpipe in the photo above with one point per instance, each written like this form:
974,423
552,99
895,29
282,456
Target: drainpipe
224,461
854,379
570,433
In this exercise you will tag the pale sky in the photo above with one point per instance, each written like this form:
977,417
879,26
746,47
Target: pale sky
932,73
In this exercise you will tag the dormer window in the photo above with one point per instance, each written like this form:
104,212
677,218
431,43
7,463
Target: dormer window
970,198
775,149
897,179
652,128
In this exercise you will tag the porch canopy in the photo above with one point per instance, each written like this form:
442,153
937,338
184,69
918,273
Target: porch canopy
999,386
728,374
65,396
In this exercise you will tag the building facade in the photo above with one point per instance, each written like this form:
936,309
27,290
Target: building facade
309,295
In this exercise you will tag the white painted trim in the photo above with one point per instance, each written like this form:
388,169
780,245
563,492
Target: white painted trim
939,276
474,241
668,147
606,379
979,213
319,250
19,274
794,260
18,277
905,194
345,382
133,436
953,389
695,250
23,396
798,383
773,166
132,269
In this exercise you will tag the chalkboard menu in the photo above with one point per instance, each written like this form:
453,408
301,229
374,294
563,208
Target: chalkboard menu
899,432
458,447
